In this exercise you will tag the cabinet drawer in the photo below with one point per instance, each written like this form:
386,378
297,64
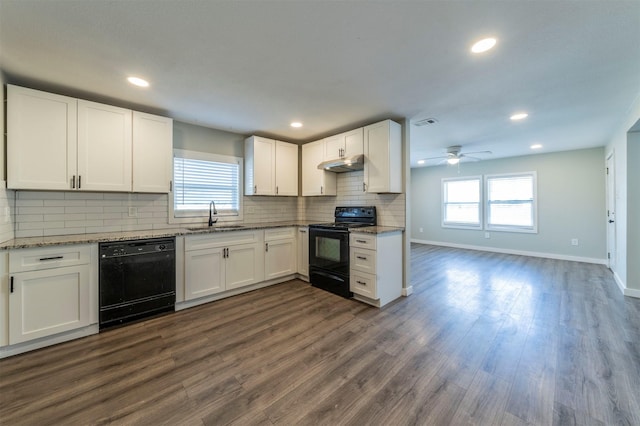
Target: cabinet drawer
48,257
363,284
222,239
279,234
363,260
362,240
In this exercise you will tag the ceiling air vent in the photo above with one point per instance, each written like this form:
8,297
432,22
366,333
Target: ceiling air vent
425,122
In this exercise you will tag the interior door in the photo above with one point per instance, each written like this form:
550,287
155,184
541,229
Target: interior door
611,209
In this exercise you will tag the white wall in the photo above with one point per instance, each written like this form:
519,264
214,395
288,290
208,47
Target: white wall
571,204
633,205
618,145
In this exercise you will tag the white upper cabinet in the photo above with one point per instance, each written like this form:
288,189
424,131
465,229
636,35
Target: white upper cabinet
271,167
41,139
59,143
286,169
383,157
152,152
104,147
316,181
344,145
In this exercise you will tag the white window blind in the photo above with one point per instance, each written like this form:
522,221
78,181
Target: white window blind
197,182
461,202
511,203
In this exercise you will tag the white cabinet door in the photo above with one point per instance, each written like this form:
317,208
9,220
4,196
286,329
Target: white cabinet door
260,156
280,258
354,142
47,302
303,251
244,265
316,181
41,139
104,147
333,147
204,272
383,157
286,169
152,152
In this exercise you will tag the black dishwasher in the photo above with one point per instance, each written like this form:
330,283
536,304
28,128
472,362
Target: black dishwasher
137,279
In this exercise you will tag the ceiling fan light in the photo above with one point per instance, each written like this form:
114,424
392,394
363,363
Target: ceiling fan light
453,161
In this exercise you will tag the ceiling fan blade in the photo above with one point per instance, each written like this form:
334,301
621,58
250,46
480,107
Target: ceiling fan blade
478,152
466,157
436,158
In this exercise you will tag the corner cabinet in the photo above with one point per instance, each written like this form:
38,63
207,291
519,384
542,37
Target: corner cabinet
59,143
51,290
271,167
316,181
383,157
375,267
217,263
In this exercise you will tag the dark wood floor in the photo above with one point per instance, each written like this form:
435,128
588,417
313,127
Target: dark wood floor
486,339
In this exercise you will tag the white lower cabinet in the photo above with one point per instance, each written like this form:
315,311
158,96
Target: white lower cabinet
217,263
51,290
375,267
280,257
303,252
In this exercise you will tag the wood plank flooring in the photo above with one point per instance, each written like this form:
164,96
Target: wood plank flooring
487,339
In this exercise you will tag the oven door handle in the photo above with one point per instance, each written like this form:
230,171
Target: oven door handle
324,231
328,275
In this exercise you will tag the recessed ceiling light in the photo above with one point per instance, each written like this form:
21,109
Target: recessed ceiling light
420,161
519,116
483,45
536,146
136,81
296,124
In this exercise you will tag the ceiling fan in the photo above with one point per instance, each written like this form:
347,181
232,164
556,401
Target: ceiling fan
454,155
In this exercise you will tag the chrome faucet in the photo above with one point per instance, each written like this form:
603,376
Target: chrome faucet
212,211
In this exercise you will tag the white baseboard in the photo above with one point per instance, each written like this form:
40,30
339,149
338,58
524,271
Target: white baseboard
631,292
618,281
517,252
407,291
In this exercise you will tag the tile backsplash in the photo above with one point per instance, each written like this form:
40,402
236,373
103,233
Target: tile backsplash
48,213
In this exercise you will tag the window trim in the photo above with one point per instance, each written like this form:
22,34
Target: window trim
205,156
534,205
459,225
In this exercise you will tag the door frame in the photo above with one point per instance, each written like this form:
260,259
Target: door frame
610,187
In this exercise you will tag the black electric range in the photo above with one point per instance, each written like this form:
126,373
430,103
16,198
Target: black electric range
329,248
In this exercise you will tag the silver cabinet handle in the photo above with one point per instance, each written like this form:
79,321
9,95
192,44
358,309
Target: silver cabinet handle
361,257
321,189
361,241
73,182
361,282
276,190
79,181
255,189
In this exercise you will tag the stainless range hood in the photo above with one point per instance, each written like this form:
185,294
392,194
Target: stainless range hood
339,165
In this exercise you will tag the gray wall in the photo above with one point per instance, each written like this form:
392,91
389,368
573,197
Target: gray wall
571,204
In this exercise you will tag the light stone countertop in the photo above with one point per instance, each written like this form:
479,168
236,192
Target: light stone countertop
32,242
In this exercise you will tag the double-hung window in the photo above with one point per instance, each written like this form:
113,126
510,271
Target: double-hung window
198,179
511,202
461,203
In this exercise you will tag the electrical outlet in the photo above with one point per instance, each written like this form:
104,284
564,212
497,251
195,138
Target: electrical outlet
487,235
574,241
133,212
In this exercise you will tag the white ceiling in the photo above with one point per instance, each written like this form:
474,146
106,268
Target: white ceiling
255,66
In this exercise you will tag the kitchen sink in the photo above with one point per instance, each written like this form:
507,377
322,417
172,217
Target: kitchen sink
216,227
